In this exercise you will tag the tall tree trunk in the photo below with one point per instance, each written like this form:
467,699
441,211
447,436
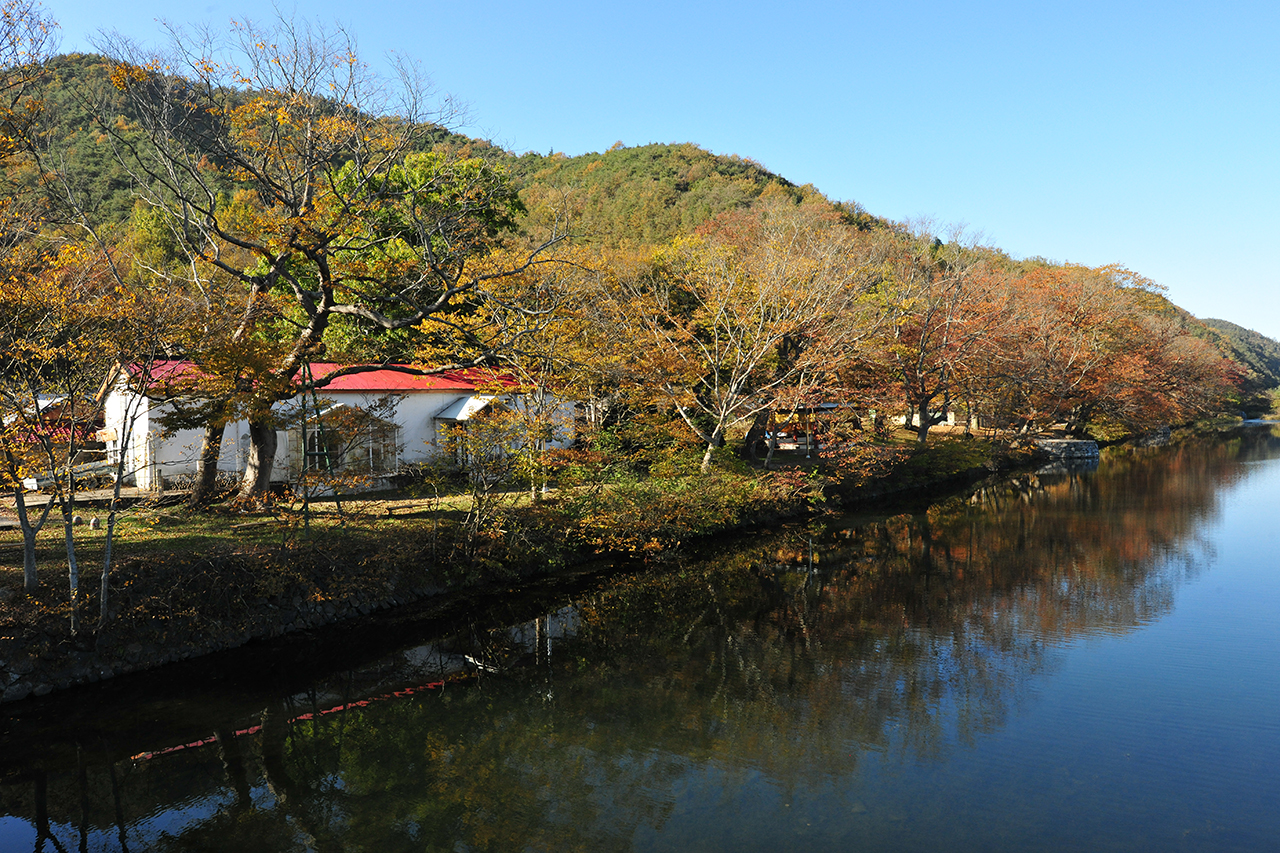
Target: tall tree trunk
773,446
108,546
30,578
66,497
926,421
30,575
262,458
716,440
73,564
207,466
757,434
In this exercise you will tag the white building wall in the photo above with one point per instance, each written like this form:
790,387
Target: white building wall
129,424
915,419
420,437
178,454
152,454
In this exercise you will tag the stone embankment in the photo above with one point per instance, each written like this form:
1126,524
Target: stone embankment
1069,449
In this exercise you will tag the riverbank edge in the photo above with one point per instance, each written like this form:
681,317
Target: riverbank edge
25,677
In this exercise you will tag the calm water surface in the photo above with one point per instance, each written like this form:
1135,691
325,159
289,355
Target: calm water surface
1085,661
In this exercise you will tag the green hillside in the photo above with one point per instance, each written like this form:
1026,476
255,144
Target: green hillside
1257,352
647,194
76,88
73,90
626,196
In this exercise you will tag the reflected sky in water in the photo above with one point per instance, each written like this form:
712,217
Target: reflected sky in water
1060,662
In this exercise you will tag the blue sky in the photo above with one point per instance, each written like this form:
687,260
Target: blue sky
1093,132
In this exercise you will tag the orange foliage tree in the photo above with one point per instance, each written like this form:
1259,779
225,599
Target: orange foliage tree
66,323
1084,344
943,304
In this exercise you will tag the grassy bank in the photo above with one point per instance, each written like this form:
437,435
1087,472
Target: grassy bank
187,583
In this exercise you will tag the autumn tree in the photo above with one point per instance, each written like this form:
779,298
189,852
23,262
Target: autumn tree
727,325
68,323
69,312
26,33
1158,373
1082,344
532,326
335,212
942,303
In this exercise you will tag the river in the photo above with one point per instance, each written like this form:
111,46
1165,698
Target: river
1068,661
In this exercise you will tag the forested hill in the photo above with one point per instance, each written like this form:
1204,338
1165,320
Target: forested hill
77,87
651,193
1251,349
625,196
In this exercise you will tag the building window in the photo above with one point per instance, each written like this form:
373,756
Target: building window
349,440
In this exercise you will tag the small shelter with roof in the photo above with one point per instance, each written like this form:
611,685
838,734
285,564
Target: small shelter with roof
369,419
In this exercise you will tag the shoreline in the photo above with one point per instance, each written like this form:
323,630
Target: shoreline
396,579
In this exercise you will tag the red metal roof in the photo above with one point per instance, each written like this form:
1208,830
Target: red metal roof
371,379
55,423
387,380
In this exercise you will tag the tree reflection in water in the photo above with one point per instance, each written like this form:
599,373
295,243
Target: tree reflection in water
770,670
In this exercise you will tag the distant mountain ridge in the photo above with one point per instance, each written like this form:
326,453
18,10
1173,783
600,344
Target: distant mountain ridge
1259,353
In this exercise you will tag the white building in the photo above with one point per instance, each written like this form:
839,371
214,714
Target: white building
372,422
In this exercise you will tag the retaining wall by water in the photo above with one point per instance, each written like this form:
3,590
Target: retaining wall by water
1069,449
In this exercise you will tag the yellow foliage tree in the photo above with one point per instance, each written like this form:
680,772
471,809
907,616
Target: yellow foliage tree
339,213
66,325
754,316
